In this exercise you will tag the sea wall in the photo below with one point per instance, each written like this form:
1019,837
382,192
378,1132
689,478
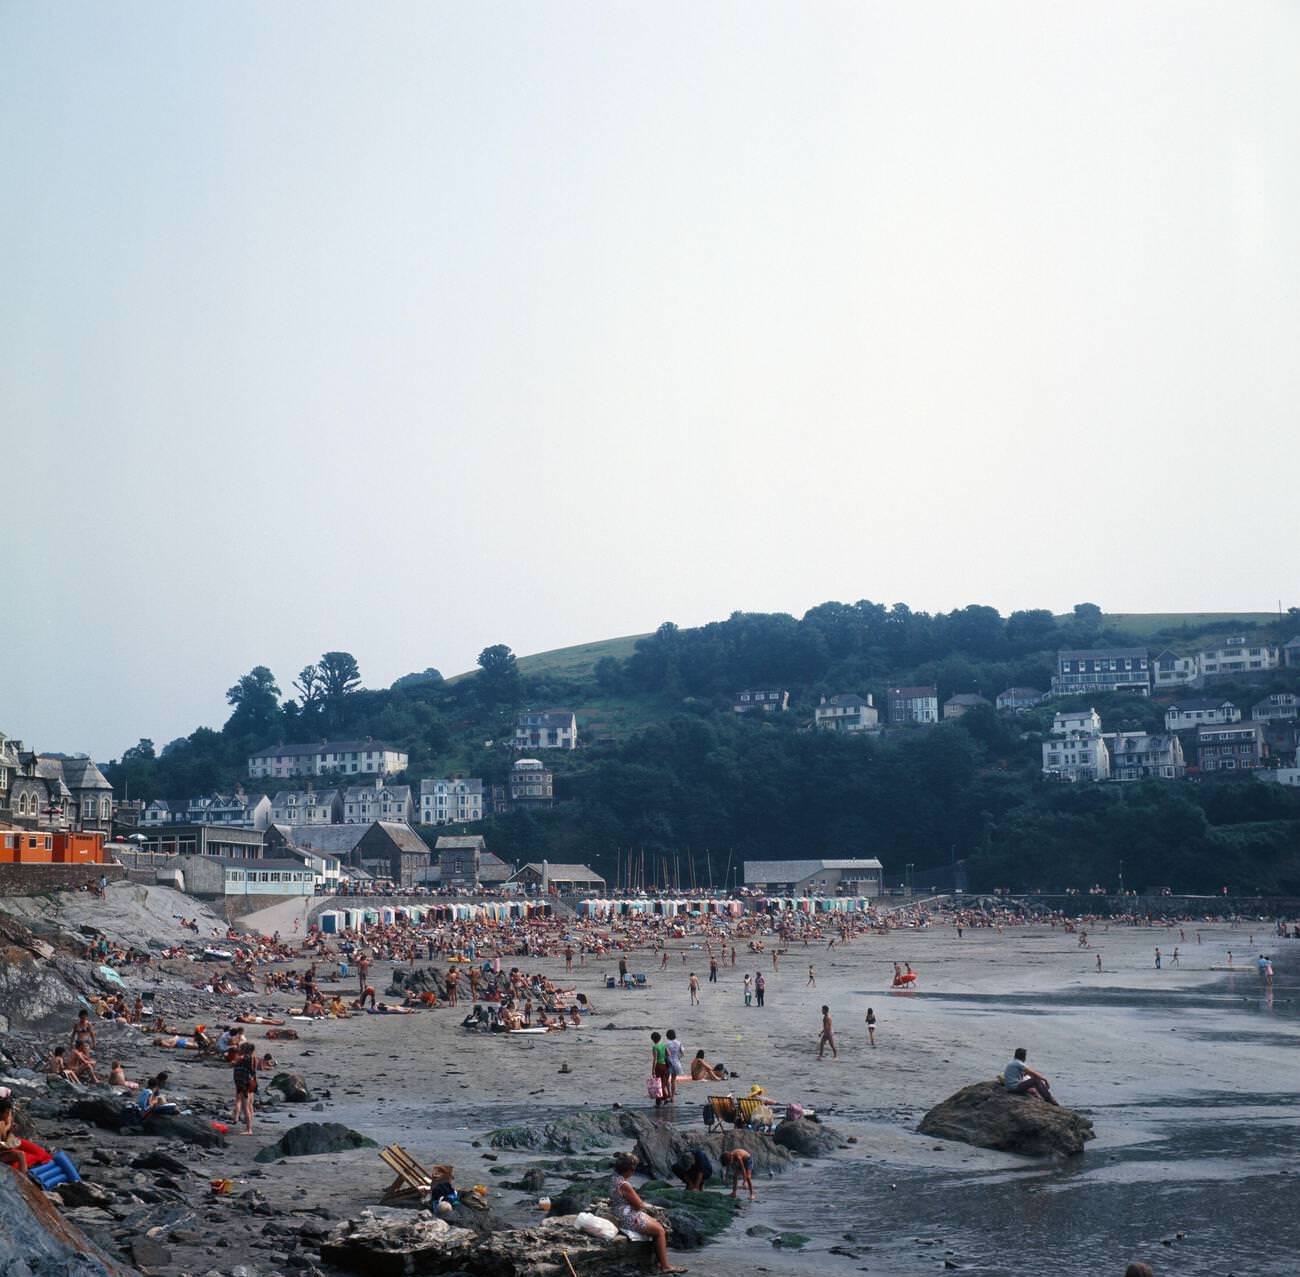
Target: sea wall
40,880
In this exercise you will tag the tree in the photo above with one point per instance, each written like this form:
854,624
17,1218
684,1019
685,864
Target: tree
143,752
339,675
309,686
1089,613
256,698
498,682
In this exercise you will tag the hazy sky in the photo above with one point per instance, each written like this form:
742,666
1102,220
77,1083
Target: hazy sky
410,328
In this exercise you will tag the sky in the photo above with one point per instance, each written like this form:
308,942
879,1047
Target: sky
411,328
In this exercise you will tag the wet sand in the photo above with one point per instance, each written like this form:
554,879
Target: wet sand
1189,1077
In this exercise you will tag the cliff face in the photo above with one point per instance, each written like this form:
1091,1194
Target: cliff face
35,1238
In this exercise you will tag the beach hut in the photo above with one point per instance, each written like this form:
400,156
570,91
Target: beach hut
329,923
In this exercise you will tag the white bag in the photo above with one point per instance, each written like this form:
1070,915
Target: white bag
596,1226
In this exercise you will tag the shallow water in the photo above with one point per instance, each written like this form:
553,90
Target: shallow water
1200,1183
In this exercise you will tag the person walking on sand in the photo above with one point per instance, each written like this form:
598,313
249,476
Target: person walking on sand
871,1026
659,1067
1099,962
827,1038
694,985
363,969
1173,961
749,989
713,969
1157,957
812,977
760,988
775,956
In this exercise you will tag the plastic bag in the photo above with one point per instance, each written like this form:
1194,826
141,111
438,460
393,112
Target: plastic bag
596,1226
654,1087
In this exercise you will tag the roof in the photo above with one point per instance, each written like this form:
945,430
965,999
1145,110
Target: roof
304,797
848,699
81,773
1292,642
327,747
358,793
1099,653
472,784
306,852
912,693
1020,691
966,698
1246,725
333,840
460,842
794,870
529,765
546,718
1183,707
563,873
404,837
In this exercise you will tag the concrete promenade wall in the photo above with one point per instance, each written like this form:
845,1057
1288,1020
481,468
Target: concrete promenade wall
40,880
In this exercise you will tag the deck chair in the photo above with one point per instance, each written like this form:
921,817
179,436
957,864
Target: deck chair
412,1178
724,1108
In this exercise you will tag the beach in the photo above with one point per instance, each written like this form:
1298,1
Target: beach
1187,1073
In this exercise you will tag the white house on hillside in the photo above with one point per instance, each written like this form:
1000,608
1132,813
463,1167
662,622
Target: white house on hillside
1142,755
847,712
364,804
307,807
546,729
451,800
1186,715
1076,722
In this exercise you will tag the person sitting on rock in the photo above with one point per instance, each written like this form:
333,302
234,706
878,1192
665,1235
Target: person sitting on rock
1020,1079
630,1213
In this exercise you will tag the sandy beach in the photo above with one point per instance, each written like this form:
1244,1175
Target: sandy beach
1145,1053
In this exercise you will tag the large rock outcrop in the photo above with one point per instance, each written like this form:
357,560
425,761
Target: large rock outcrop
989,1116
397,1243
422,980
310,1138
36,1239
110,1113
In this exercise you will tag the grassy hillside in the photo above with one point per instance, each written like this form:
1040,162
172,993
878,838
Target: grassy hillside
576,663
1147,624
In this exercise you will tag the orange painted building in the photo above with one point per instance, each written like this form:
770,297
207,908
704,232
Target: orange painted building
26,846
78,849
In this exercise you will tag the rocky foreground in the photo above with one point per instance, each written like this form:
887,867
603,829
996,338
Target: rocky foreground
988,1116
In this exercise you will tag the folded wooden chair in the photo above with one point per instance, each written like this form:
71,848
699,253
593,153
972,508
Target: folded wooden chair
412,1178
724,1108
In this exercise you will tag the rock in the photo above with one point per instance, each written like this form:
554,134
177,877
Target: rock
423,980
989,1116
791,1241
111,1114
575,1134
393,1244
292,1087
83,1193
148,1253
579,1196
532,1180
35,1238
310,1138
157,1160
807,1138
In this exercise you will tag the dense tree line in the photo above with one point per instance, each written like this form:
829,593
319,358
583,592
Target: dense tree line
702,786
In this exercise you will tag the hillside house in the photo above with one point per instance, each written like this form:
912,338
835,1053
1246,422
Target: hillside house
1169,670
307,807
53,791
767,700
1279,707
327,758
223,842
1076,758
1186,715
546,729
532,784
1230,747
912,704
1085,671
1235,658
1016,700
1291,653
847,712
1144,755
454,800
1076,722
376,800
845,877
962,703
